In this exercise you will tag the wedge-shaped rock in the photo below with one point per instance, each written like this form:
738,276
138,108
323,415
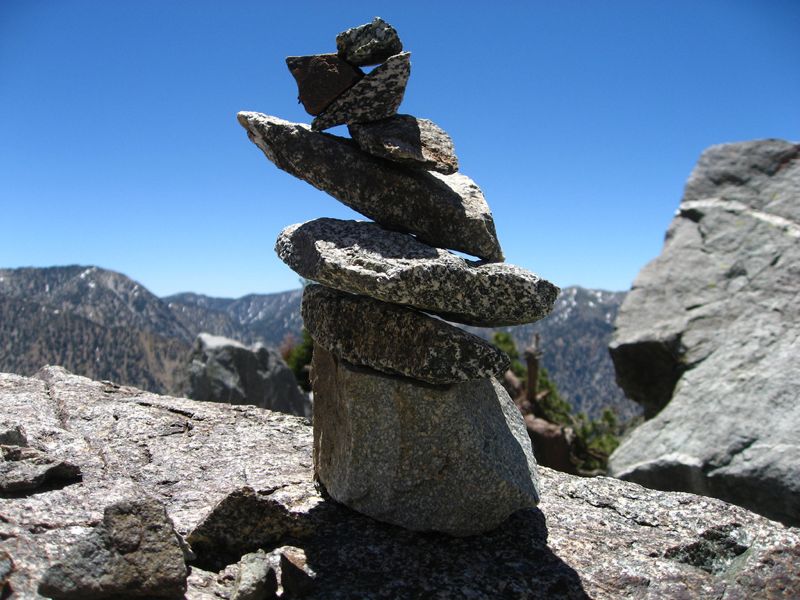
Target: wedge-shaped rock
447,211
456,459
377,96
409,140
369,44
397,340
321,78
363,258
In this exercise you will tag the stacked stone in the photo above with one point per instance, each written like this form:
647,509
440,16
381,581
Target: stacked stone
410,423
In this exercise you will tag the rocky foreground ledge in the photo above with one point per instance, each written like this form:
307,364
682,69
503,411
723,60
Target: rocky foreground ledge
237,479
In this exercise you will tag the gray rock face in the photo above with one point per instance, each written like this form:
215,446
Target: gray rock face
711,329
256,579
369,44
363,258
377,96
409,140
397,340
134,553
25,469
321,78
455,459
447,211
223,370
600,537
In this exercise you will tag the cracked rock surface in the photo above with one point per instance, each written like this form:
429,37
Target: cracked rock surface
708,339
598,538
363,258
397,340
447,211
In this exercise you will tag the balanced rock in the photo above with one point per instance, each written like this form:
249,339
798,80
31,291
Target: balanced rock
321,78
223,370
409,140
397,340
377,96
447,211
363,258
134,553
454,459
369,44
708,339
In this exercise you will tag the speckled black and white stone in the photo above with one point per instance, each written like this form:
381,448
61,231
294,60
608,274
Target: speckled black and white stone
363,258
397,340
377,96
447,211
409,140
369,44
455,459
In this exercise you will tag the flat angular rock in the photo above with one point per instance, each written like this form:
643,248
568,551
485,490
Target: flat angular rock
134,552
363,258
369,44
321,78
708,339
455,459
447,211
397,340
377,96
256,579
25,470
409,140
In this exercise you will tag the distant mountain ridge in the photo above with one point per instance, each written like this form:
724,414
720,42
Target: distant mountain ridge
105,325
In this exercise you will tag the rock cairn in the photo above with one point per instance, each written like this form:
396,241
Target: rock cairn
411,425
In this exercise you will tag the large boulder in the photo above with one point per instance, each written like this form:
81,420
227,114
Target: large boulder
223,370
708,339
236,479
447,211
363,258
452,458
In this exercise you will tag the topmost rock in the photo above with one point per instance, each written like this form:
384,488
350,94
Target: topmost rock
369,44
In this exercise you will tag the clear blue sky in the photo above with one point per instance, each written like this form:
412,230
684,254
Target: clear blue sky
581,121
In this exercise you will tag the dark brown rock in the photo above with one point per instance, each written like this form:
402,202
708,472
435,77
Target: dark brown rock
377,96
592,537
408,140
397,340
133,553
447,211
369,44
552,444
321,78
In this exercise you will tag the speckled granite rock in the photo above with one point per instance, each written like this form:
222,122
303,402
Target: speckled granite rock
321,78
256,579
408,140
363,258
377,96
369,44
24,469
134,553
448,211
397,340
601,538
708,339
455,459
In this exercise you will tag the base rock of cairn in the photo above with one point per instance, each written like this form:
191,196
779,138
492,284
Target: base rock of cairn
410,425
